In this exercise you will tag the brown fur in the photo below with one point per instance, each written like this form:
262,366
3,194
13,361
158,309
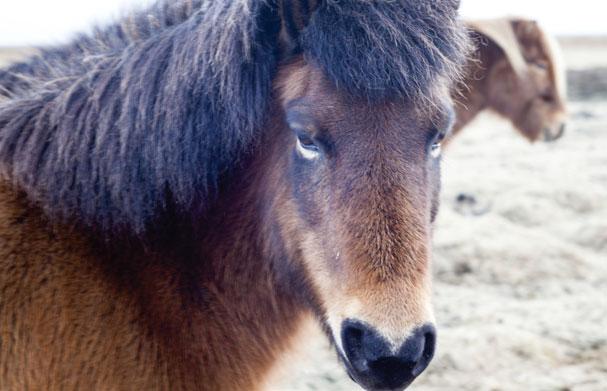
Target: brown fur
74,317
369,246
214,313
529,94
170,224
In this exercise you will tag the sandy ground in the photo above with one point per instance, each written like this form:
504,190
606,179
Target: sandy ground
521,286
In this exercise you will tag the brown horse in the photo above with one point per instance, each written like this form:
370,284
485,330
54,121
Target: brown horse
516,72
182,188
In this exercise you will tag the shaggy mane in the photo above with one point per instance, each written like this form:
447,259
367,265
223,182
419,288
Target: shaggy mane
379,49
115,126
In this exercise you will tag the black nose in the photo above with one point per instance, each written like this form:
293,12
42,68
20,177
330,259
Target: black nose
376,364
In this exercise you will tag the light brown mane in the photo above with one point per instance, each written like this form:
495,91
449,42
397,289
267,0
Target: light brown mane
558,68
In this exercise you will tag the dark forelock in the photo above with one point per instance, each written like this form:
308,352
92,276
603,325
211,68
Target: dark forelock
379,49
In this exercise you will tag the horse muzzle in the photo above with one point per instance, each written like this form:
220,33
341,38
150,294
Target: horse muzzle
554,133
375,364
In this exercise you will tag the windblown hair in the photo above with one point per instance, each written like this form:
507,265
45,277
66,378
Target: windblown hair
160,103
379,49
155,110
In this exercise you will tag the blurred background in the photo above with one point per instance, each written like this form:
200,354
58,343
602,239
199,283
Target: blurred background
520,264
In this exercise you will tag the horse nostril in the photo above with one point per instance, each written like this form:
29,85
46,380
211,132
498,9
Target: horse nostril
361,344
428,334
550,135
562,130
374,363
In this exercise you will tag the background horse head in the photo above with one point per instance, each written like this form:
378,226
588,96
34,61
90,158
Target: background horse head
272,158
517,72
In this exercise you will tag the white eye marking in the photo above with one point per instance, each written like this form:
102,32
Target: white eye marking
307,152
435,150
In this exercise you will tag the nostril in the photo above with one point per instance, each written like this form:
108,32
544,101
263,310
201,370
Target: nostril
553,134
430,343
352,339
362,345
429,340
353,333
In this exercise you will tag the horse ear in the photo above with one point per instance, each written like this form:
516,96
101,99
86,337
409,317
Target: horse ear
295,16
501,32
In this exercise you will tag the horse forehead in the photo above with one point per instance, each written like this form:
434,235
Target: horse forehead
396,124
300,81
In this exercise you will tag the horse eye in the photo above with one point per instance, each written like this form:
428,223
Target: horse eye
306,147
436,146
547,97
436,150
307,142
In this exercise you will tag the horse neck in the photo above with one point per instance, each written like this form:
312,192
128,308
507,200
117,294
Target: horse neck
246,269
241,238
223,288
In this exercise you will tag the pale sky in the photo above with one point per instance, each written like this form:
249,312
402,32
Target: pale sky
39,22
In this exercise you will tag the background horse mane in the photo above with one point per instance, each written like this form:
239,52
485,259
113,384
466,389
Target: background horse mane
152,112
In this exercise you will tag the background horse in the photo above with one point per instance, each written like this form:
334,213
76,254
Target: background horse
181,188
517,72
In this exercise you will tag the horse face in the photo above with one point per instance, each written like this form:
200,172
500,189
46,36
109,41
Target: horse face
364,182
535,103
